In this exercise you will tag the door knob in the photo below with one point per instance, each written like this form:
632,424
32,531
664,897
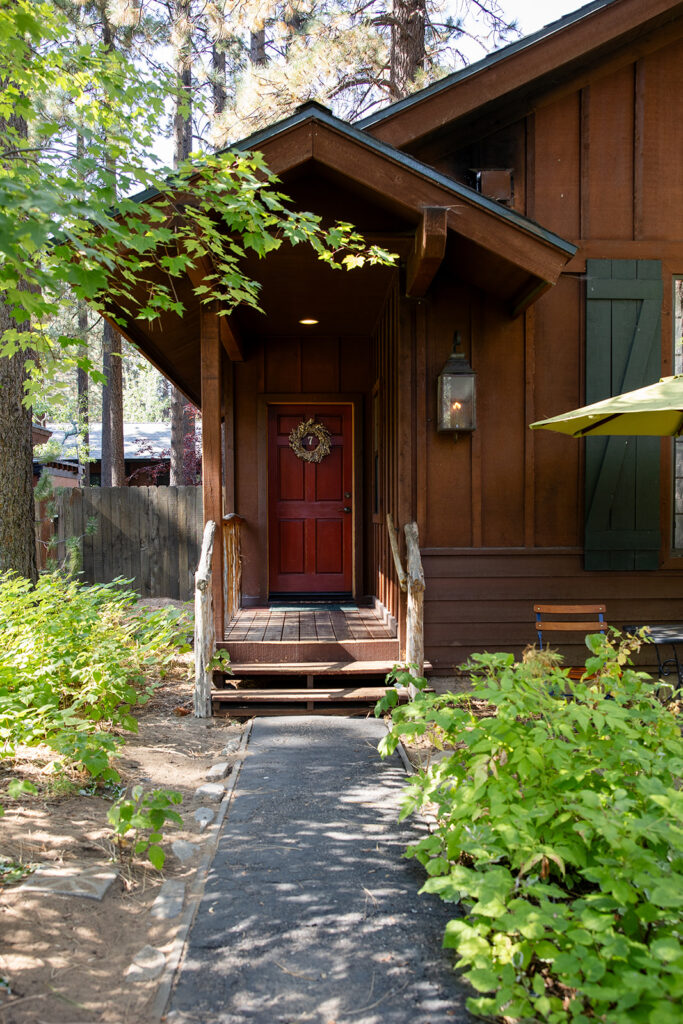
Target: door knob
347,508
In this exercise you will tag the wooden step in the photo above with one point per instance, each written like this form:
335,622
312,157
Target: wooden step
313,668
337,700
272,652
334,694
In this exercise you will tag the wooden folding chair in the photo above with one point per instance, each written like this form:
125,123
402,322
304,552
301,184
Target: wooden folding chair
591,619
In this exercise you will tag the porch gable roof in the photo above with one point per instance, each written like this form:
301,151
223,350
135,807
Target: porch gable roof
314,135
534,63
489,246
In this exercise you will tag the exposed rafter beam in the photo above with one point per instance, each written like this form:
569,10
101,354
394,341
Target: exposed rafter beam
428,251
231,339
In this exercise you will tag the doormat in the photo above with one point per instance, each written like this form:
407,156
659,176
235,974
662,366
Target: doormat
312,606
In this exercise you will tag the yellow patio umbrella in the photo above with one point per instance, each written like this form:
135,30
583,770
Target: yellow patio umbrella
656,410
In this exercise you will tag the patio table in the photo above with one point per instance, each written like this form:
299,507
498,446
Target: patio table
670,635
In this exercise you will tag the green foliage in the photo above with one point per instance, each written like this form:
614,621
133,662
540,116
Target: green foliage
13,871
144,815
560,832
74,661
65,231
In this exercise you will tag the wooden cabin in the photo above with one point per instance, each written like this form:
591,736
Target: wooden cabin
535,199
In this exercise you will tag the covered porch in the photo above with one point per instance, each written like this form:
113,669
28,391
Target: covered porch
339,361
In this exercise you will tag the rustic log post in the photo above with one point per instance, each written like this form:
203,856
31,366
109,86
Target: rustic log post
212,490
413,583
232,565
415,644
393,541
204,626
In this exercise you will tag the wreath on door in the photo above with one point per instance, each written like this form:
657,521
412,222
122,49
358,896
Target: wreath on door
310,441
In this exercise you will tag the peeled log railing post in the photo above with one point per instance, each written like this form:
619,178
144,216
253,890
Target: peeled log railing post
415,641
204,629
232,565
411,582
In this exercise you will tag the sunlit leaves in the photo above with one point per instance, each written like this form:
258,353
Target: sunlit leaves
559,830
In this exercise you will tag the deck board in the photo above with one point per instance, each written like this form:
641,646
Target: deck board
307,624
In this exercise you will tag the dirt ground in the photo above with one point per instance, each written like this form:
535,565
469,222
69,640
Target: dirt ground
63,958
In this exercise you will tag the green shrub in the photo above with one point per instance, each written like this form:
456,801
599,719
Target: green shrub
560,831
74,660
137,823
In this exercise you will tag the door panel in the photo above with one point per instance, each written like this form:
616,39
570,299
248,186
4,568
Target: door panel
310,535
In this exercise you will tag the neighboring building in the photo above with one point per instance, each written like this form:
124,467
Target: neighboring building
62,473
535,199
146,451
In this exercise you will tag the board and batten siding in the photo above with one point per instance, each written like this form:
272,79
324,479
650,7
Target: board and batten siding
150,535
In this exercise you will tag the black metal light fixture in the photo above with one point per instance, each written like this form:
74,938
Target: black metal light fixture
456,396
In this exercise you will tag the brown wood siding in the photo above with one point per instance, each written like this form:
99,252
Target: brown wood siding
659,148
558,375
483,600
607,156
452,513
503,510
557,166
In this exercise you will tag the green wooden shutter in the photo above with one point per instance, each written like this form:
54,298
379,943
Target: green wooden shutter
623,352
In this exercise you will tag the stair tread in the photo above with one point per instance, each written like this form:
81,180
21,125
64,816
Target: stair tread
314,668
312,693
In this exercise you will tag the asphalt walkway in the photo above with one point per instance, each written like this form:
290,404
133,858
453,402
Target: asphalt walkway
310,912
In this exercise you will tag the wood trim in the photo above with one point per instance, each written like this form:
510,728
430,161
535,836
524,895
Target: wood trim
317,398
212,463
639,185
428,252
529,437
228,403
421,443
476,448
623,249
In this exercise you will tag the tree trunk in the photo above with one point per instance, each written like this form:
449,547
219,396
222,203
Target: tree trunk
17,507
17,510
407,44
177,468
220,95
257,46
83,406
113,472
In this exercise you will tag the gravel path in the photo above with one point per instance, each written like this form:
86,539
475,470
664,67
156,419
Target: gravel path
310,912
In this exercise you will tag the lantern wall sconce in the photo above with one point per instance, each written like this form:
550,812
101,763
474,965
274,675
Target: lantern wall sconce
456,396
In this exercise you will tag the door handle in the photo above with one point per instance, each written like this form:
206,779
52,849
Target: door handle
347,508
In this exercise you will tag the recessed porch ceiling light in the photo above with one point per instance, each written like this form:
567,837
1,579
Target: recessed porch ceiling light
308,321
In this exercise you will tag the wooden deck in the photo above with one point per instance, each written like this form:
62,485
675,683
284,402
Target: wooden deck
335,624
295,653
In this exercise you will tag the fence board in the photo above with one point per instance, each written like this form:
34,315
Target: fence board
150,534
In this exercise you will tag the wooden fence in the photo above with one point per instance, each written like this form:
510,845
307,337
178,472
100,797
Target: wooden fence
152,535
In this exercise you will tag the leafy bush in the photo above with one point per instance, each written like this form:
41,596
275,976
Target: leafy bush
560,831
73,659
144,815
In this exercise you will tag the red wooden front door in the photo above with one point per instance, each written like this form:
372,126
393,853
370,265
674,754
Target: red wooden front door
310,538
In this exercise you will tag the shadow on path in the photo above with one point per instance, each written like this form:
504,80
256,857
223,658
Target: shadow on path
310,912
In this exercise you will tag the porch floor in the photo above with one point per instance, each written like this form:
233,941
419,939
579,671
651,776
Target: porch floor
332,624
